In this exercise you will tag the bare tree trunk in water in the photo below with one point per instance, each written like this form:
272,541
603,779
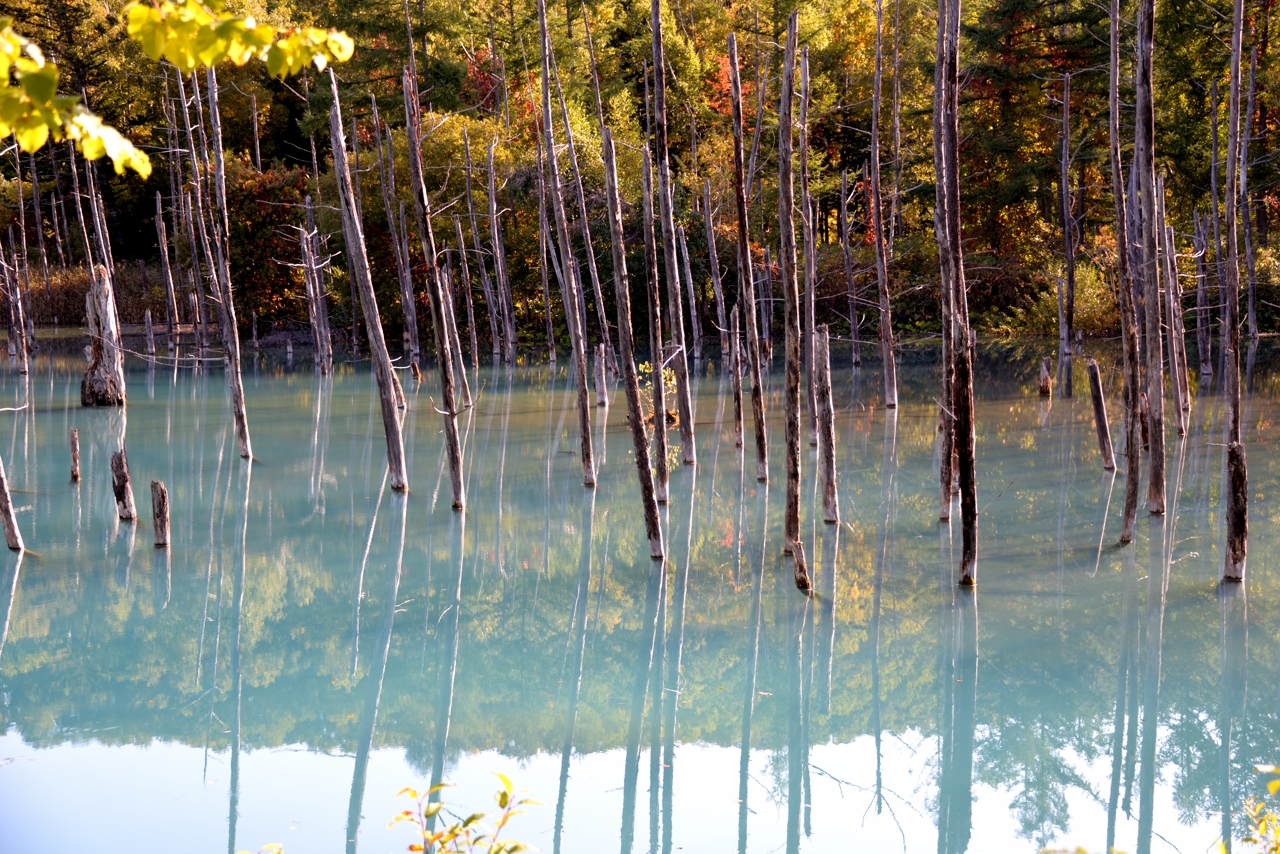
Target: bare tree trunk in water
746,279
1245,206
353,233
810,256
791,294
1067,334
577,323
630,382
1144,166
877,219
1237,497
1128,310
662,484
849,281
950,245
714,261
679,362
946,405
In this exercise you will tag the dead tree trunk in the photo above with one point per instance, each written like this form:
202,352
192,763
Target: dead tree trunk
679,362
746,279
1237,499
810,253
630,381
1124,285
1203,341
850,283
160,513
714,261
486,285
122,486
950,245
149,332
1144,166
316,300
1245,206
44,256
75,453
584,224
500,264
353,233
170,300
1100,417
735,373
1067,333
577,323
399,240
877,220
790,291
12,536
661,484
826,425
103,383
694,319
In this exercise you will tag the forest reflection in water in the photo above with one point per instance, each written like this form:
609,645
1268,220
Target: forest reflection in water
313,640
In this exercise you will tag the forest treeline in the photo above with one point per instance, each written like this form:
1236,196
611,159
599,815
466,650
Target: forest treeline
478,75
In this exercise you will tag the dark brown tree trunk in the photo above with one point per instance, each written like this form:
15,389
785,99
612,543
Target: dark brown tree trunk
1237,499
1144,166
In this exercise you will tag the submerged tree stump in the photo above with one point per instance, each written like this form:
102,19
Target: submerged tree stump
75,454
1237,514
1046,377
160,513
103,383
826,423
122,487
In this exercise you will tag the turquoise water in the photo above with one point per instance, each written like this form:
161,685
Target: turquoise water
313,642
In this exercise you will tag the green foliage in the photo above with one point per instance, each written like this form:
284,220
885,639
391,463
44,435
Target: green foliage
1096,310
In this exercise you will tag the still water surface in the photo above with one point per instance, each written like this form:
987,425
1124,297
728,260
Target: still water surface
313,642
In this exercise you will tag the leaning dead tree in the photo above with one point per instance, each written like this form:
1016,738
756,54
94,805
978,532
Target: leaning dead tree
630,381
572,307
353,234
951,253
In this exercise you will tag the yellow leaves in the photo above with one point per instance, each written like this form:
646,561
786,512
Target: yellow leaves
32,111
192,34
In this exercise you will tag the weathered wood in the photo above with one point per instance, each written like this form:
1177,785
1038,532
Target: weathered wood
890,369
826,425
679,361
1046,376
353,232
170,299
694,319
850,282
122,487
584,223
1237,475
714,262
317,308
160,513
546,255
12,536
663,476
500,264
455,341
1237,512
1067,300
799,565
577,323
809,250
735,374
1144,168
791,294
630,381
486,284
1100,417
75,453
1203,345
465,285
602,389
103,383
1250,265
1125,287
399,241
150,332
746,278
